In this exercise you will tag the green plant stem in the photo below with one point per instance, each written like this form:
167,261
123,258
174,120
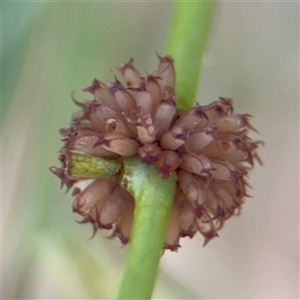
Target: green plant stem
153,199
82,165
153,195
186,42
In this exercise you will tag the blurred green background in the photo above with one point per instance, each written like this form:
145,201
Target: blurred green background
52,48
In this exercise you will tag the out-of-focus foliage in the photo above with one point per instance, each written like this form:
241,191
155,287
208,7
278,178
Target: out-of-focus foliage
52,48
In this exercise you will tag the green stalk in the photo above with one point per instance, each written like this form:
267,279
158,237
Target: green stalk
82,165
186,42
153,200
188,35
